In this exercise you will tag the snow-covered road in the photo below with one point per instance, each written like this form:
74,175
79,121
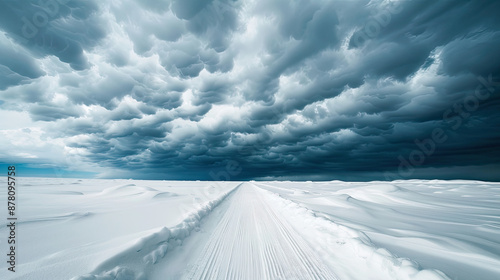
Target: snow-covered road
256,234
254,241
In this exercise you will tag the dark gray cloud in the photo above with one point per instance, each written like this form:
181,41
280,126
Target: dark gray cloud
223,89
63,28
52,113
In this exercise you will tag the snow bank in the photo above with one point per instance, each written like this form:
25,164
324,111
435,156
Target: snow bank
345,248
135,260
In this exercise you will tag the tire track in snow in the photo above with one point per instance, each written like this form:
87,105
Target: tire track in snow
252,241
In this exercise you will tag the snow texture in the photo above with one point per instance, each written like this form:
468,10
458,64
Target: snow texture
130,229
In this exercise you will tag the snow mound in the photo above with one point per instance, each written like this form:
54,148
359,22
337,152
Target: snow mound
127,190
164,195
133,261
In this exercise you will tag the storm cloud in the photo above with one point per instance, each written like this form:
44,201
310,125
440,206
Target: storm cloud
233,90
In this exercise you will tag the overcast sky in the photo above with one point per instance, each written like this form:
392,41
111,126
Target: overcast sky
253,89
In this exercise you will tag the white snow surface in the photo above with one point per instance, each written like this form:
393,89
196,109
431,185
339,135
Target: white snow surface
137,229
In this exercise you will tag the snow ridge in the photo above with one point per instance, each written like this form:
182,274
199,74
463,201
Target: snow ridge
134,261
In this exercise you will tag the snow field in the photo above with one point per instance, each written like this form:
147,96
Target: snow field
451,226
133,261
131,229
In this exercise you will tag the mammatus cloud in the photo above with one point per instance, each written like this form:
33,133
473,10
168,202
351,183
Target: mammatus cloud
226,89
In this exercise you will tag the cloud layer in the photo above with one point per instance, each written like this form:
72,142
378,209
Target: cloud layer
222,89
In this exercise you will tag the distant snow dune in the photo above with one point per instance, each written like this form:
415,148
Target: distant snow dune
132,229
